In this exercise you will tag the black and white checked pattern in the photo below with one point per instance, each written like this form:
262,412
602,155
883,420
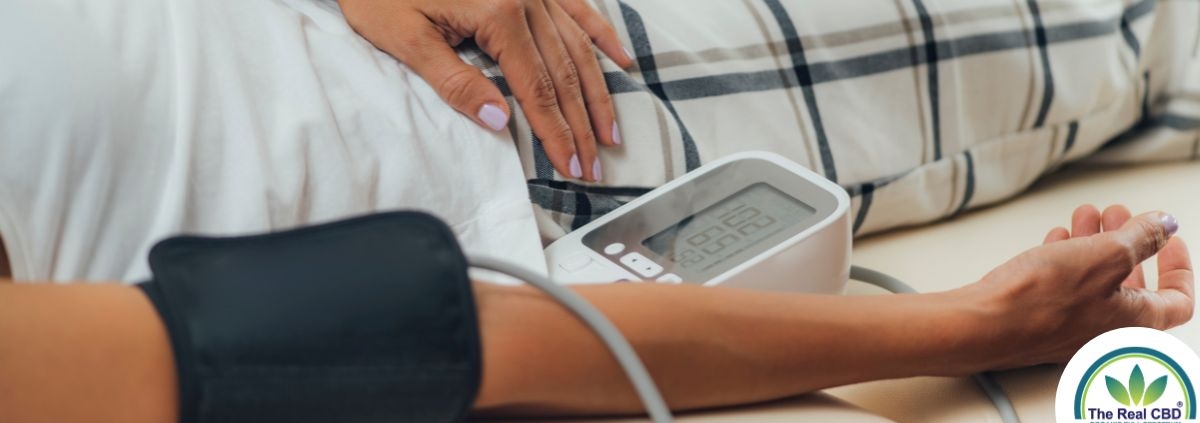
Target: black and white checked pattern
920,109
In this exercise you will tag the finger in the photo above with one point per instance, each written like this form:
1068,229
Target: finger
1137,240
1085,221
509,40
1057,234
600,31
1111,219
1114,216
1175,270
424,49
595,89
1176,283
567,86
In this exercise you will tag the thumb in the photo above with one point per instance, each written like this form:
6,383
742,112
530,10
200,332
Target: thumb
1139,238
1176,285
462,86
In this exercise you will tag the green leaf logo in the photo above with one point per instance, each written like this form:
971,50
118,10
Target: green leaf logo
1137,393
1137,385
1117,390
1155,391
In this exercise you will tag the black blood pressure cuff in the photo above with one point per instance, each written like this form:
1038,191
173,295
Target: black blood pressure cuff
364,320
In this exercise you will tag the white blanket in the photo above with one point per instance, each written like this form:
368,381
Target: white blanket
126,121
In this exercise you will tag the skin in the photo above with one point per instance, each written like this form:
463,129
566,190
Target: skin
103,347
544,47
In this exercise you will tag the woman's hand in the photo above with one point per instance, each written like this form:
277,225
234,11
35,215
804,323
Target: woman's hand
544,47
1049,301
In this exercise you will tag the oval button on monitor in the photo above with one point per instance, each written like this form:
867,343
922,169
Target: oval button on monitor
670,278
575,262
614,248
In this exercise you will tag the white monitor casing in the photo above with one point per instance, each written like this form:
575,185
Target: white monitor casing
816,259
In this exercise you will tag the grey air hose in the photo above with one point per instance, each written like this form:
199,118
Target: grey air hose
612,338
985,381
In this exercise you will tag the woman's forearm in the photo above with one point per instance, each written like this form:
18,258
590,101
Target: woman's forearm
710,347
89,353
83,353
103,350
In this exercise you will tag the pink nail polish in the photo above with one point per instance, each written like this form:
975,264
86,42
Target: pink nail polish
597,174
616,134
1170,224
628,54
493,116
576,169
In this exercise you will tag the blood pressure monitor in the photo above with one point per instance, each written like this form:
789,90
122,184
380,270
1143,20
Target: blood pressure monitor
752,220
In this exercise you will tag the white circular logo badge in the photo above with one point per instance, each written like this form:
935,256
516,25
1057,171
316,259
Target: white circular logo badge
1130,375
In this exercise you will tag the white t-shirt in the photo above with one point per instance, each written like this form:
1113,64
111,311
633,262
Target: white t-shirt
126,121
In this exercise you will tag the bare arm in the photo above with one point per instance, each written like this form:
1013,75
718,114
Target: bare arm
100,349
104,348
711,347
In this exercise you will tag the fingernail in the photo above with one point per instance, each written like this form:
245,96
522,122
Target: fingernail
1170,224
597,174
616,135
576,170
493,116
628,54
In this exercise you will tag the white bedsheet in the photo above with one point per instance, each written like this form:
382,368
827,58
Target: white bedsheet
126,121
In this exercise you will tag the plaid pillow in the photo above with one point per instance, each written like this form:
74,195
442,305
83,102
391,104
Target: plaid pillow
921,109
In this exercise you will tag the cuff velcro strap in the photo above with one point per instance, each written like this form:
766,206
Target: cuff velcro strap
365,320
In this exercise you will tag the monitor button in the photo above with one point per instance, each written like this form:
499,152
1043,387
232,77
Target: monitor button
575,262
614,248
641,265
670,278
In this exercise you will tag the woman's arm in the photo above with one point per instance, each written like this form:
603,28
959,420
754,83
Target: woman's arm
83,353
710,347
103,350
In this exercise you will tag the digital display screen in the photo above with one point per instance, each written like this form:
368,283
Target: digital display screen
703,240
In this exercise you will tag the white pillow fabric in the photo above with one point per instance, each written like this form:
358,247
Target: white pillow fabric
126,121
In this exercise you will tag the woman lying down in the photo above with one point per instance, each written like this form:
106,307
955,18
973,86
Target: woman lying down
126,124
